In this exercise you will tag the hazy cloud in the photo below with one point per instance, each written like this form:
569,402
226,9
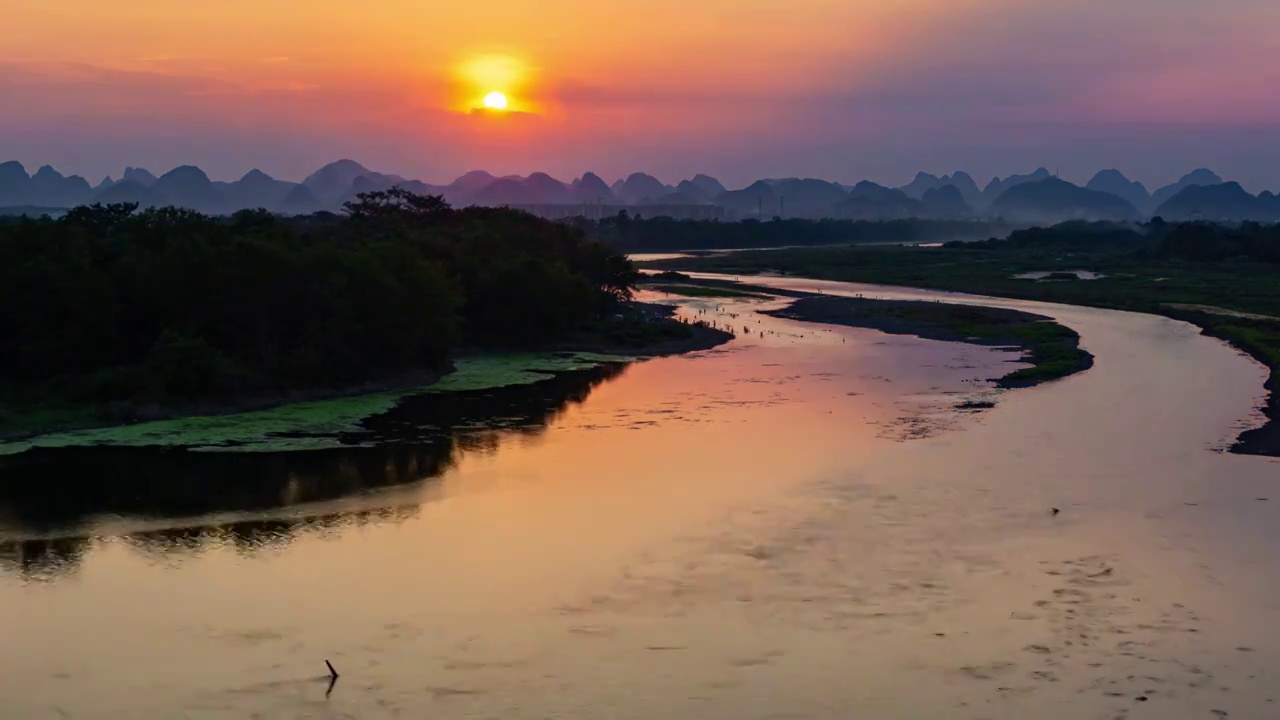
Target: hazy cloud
1154,87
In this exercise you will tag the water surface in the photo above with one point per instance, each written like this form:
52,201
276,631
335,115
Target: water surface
799,524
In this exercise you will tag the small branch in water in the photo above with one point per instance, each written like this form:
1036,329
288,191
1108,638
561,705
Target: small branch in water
333,678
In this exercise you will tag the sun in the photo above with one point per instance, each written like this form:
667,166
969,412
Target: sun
495,101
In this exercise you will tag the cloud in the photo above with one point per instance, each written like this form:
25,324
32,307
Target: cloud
993,86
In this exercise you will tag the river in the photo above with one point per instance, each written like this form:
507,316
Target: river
799,524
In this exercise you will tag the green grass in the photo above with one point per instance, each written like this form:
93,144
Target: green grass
1261,340
1138,279
1052,349
1134,281
319,422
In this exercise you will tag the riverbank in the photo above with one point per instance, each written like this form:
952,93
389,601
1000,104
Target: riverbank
824,562
1260,339
646,330
312,418
1131,281
677,283
1053,350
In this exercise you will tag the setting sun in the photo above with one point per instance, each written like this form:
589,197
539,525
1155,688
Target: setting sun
495,101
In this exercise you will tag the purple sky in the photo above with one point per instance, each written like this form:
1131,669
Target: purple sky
740,89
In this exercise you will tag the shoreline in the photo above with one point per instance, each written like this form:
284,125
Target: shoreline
984,326
700,338
1263,441
1052,349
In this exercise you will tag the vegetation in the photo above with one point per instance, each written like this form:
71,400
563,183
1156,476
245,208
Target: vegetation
1202,273
107,311
662,234
1052,349
1146,267
704,291
314,424
417,440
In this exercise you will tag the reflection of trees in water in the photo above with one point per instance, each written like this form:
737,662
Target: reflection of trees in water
250,537
61,491
43,559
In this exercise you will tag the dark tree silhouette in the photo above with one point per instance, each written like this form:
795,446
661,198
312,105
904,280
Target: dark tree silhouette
111,305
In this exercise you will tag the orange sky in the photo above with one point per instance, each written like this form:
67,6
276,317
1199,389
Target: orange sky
839,88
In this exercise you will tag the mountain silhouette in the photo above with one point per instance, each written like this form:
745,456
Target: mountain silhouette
968,188
808,197
258,190
1053,200
710,186
590,188
755,200
46,189
300,201
132,191
472,181
547,190
945,203
14,183
1200,176
686,188
1224,202
51,189
872,201
377,182
140,176
952,196
372,182
640,188
1113,181
188,186
960,180
922,183
998,187
504,191
333,181
1269,205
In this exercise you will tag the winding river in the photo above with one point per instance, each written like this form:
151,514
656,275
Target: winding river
800,524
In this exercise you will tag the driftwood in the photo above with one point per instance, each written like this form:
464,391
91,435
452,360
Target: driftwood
333,677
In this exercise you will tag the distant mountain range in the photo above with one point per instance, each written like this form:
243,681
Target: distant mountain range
1037,197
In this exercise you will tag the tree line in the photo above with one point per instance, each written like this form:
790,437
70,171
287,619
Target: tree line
108,303
1192,242
661,234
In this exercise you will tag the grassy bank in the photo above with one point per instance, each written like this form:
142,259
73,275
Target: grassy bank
322,419
313,424
1052,349
1136,278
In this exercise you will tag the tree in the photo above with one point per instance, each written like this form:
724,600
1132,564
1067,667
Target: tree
396,203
